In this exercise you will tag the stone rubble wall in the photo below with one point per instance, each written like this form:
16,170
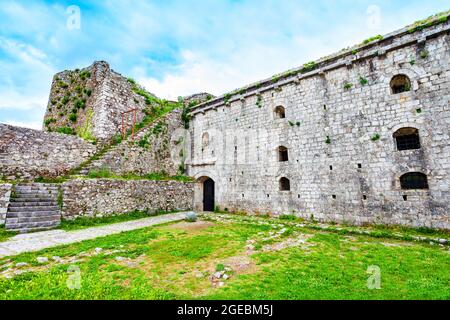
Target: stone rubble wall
5,195
103,197
153,149
352,178
26,154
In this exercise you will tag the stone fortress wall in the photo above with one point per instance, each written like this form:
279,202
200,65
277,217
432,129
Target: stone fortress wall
103,197
27,154
336,122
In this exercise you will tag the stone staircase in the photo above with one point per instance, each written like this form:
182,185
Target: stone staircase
98,164
112,159
33,207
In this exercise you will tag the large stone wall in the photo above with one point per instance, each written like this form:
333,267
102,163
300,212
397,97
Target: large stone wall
27,154
153,149
104,197
5,195
336,171
97,96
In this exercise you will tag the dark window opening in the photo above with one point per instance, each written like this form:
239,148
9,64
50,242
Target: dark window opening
334,196
405,198
407,139
280,112
400,83
285,184
414,180
364,197
283,154
331,168
359,165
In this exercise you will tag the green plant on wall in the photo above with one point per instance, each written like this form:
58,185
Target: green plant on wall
159,128
185,115
62,84
65,100
65,130
307,67
86,131
348,85
144,143
375,137
259,101
372,39
328,140
363,81
227,98
49,121
429,22
60,198
424,54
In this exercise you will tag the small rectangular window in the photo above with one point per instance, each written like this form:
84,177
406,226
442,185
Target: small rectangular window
408,142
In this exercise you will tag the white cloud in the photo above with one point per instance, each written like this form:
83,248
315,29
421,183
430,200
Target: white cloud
25,83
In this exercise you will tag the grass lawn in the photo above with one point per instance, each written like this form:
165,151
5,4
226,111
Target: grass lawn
262,259
5,235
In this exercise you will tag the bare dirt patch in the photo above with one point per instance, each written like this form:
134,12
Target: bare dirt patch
192,226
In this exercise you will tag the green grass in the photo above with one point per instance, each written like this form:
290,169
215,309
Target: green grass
105,173
89,222
372,39
5,235
176,261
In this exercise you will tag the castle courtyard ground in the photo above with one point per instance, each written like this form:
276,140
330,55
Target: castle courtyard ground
224,256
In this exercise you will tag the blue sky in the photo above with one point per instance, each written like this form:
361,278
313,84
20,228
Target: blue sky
180,47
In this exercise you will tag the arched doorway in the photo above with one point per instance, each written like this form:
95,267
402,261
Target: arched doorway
208,195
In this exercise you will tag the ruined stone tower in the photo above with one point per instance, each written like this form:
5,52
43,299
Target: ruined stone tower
90,102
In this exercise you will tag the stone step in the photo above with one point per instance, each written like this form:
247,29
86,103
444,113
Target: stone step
31,214
36,189
31,226
50,218
34,200
43,185
37,192
33,209
36,195
33,204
